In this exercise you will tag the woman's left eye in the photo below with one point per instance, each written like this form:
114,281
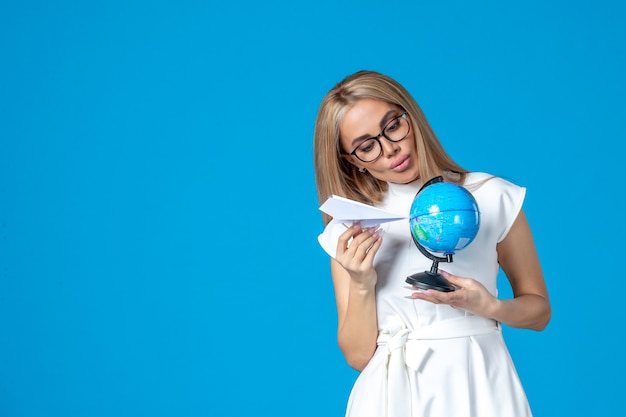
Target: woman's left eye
393,125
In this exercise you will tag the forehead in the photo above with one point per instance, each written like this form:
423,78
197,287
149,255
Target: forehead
365,117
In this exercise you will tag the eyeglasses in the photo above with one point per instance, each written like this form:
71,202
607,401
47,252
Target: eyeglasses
371,149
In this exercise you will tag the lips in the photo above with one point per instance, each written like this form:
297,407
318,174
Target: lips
400,163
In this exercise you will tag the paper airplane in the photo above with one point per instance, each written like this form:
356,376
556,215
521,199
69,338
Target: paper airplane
344,210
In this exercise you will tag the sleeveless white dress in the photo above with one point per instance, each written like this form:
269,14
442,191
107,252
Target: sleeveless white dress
433,360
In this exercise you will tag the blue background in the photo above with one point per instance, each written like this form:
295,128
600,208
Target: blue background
158,213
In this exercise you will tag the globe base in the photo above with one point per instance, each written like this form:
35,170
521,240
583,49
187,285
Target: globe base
429,281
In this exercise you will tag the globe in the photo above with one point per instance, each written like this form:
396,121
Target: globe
444,218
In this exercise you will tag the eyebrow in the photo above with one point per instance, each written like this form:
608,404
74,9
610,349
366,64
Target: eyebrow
382,124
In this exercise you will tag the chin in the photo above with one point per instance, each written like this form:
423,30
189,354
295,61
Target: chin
408,176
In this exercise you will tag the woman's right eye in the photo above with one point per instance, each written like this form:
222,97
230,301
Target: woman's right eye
367,146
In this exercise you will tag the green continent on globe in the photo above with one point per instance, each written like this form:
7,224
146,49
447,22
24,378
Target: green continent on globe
420,233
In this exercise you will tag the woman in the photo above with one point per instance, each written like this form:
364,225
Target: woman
420,353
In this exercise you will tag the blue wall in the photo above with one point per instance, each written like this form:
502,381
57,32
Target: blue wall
158,215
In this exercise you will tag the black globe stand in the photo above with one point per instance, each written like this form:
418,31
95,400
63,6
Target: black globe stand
431,280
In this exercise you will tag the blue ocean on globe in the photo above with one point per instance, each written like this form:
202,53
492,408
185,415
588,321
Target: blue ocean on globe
444,217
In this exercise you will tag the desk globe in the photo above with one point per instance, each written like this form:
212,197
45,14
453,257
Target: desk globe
444,219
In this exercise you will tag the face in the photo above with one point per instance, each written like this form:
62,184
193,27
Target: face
366,119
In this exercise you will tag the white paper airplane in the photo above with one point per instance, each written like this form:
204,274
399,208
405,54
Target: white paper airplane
344,210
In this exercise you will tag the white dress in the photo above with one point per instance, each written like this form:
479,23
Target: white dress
433,360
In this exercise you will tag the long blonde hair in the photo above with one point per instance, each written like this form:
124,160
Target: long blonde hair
335,175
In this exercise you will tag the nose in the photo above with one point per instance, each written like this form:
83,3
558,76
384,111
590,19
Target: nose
389,148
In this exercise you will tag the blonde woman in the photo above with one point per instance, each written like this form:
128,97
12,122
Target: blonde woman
420,353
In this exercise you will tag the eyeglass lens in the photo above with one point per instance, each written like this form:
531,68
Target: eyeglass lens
396,130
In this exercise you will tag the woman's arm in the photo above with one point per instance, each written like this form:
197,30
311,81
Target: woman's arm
517,255
354,280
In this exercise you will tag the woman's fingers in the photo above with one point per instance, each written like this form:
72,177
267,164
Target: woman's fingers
345,237
358,238
357,246
470,295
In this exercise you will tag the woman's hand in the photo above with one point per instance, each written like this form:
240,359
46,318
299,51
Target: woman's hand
470,296
354,279
356,249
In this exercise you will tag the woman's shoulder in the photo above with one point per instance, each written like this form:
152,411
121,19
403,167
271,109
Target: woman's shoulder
475,181
499,200
329,237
